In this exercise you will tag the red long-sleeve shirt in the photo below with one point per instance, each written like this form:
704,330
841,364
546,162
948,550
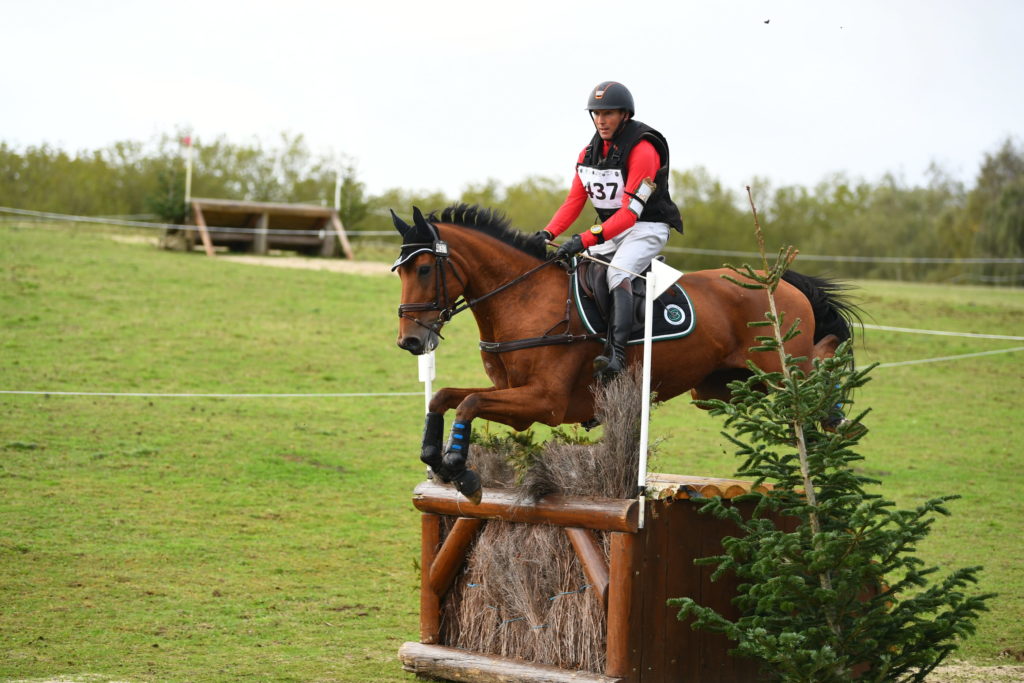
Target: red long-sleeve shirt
643,162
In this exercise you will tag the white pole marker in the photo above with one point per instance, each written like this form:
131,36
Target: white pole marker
659,279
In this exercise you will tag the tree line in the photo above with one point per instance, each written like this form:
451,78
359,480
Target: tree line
942,230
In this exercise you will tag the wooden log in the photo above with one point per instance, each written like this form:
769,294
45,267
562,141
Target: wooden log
248,207
204,234
458,665
430,603
685,486
452,554
618,661
591,557
336,225
608,514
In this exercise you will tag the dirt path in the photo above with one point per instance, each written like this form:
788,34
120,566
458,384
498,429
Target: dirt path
333,265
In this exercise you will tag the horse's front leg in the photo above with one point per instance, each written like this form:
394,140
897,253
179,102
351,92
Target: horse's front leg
431,452
517,407
450,398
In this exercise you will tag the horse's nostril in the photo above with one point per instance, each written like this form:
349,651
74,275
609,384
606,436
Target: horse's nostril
411,344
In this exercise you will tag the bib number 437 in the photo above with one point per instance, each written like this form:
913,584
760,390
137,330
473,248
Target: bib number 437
607,191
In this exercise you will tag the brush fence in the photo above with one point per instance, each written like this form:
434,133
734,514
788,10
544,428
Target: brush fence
630,573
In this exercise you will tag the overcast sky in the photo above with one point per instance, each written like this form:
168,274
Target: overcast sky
442,94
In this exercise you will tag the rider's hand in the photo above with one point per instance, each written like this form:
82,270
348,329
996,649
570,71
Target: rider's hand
540,238
569,249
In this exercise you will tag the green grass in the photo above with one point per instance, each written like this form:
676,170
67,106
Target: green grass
174,539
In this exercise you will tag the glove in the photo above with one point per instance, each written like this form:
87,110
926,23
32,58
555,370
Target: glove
540,239
569,249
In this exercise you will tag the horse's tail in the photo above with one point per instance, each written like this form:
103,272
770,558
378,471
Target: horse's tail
834,310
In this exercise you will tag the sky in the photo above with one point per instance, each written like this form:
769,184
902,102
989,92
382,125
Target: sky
446,94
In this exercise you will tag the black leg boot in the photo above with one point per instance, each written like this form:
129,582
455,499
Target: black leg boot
620,322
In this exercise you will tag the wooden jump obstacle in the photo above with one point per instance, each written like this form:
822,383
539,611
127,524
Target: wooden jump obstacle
314,230
645,642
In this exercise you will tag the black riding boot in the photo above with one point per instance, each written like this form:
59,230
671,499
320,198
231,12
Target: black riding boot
620,322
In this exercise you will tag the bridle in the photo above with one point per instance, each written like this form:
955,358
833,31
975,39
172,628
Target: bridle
443,302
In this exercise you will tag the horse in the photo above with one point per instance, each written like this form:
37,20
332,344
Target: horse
535,349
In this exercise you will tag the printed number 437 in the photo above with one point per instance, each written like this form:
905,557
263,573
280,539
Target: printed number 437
602,190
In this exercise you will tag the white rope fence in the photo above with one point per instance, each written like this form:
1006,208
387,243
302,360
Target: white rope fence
885,328
71,218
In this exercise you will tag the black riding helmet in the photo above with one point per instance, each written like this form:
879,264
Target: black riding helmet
611,95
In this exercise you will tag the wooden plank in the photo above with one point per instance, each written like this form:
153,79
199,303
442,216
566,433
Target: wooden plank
591,557
336,225
618,660
609,514
654,566
452,554
204,234
459,665
716,664
430,602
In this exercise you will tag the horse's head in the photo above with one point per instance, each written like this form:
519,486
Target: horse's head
430,285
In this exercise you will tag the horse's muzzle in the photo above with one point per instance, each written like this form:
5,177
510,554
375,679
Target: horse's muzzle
417,346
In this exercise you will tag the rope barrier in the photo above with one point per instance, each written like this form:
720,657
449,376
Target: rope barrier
944,358
851,259
943,333
158,395
49,215
885,328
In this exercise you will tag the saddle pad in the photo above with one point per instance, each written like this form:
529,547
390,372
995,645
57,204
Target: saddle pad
673,313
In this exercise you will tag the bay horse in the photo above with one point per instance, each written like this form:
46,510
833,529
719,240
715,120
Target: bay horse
535,349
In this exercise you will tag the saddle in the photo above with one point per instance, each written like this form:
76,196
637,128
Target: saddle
673,312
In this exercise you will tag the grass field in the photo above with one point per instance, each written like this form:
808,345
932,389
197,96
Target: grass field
204,539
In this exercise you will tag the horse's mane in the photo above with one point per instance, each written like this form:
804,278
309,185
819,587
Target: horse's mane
490,222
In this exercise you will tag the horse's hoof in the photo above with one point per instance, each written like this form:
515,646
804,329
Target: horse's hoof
468,484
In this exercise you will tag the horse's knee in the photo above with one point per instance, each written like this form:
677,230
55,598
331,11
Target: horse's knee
441,401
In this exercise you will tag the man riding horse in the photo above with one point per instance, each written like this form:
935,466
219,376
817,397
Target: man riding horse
624,171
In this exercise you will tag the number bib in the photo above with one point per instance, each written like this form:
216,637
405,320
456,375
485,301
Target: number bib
603,186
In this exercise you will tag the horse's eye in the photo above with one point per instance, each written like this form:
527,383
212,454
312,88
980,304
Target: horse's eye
423,270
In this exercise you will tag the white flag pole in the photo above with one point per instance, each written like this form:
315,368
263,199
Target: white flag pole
188,171
659,279
427,372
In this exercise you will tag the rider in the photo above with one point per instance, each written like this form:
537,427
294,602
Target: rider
624,172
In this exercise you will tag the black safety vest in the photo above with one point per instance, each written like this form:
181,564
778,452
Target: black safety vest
659,207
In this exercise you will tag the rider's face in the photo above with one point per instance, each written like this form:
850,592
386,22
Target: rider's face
607,121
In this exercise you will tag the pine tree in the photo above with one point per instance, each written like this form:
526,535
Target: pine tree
841,595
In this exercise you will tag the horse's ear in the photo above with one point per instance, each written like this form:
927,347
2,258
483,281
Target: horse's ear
418,220
401,226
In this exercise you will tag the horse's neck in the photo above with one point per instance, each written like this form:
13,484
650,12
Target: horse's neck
526,308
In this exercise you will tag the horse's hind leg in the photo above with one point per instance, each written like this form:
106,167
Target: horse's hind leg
716,385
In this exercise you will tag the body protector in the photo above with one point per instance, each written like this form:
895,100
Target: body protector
604,178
